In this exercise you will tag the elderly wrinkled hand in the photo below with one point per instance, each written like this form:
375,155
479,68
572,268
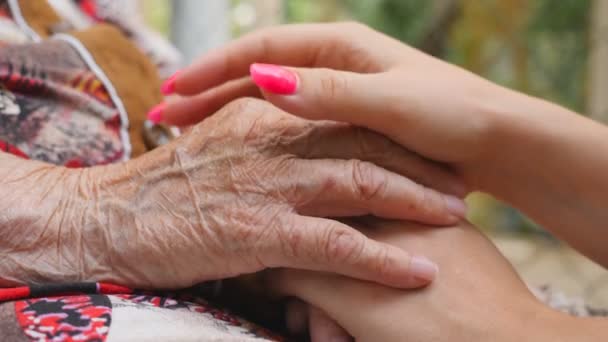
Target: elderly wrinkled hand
247,189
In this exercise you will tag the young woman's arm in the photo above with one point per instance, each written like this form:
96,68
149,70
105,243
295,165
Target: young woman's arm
552,164
477,296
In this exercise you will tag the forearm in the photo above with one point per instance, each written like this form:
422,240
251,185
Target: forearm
552,164
96,224
64,225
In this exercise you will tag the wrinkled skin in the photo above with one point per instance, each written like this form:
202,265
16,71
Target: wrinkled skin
230,197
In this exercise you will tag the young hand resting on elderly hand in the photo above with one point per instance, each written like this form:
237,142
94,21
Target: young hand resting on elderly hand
545,160
541,158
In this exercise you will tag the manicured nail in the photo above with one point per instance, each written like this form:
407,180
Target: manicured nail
168,86
274,78
156,113
423,268
456,206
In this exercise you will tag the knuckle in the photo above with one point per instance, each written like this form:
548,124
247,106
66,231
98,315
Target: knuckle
264,33
265,42
248,117
286,188
374,146
291,241
245,105
425,202
332,84
383,263
342,245
435,205
367,182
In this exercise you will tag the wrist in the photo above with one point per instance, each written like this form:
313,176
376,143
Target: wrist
489,109
564,327
520,131
37,221
538,322
138,201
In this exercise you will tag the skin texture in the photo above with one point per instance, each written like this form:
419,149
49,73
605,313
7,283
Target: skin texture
476,297
541,158
241,192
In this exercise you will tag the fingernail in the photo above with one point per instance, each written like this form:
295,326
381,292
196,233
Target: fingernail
423,268
456,206
168,86
274,78
156,113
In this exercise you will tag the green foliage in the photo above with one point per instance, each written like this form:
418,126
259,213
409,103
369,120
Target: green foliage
302,11
405,20
564,16
552,41
558,37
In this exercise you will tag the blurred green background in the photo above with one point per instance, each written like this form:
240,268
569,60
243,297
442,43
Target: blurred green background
540,47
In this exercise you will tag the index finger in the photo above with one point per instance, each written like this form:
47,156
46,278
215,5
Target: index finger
337,46
325,245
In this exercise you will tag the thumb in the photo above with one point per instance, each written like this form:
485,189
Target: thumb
324,94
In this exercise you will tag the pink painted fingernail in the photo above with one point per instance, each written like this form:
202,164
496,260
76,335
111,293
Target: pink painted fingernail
156,113
273,78
168,86
456,206
423,268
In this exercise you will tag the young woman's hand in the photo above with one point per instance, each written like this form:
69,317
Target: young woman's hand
477,296
343,72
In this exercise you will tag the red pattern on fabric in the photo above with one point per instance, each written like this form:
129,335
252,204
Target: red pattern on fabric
74,164
90,8
4,13
114,122
22,83
8,148
71,318
56,109
87,83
